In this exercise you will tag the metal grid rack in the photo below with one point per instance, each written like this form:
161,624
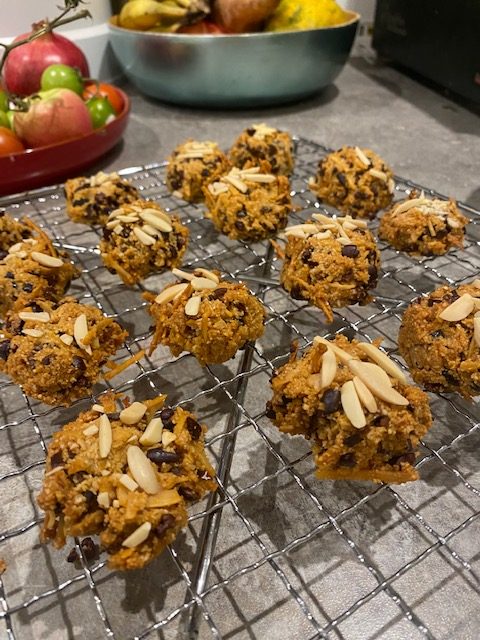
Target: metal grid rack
274,553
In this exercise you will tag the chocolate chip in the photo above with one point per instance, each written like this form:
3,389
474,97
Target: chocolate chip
437,334
36,308
188,493
78,477
239,225
347,460
3,254
90,499
407,457
265,209
242,213
159,456
28,287
107,233
205,173
90,550
296,292
331,400
4,349
46,360
352,440
79,202
217,294
449,377
9,275
430,301
56,460
79,363
250,131
350,251
381,421
115,415
166,417
269,412
73,555
166,521
194,429
342,179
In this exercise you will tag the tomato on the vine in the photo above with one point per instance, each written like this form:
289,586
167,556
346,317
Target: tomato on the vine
61,76
101,111
94,90
9,143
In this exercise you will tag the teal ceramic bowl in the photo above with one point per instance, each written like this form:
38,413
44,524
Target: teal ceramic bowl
244,70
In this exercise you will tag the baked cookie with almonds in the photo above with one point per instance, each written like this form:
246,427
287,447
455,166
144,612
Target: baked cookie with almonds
32,268
55,350
261,144
125,471
12,231
91,199
439,338
192,166
249,204
355,181
330,262
140,238
355,406
205,315
423,226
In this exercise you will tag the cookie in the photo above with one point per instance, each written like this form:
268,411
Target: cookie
11,232
355,406
439,338
139,239
194,165
263,144
55,351
423,226
205,315
31,269
248,204
125,475
355,181
330,262
91,199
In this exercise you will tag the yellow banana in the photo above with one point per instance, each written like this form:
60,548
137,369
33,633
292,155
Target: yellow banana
139,14
305,14
161,15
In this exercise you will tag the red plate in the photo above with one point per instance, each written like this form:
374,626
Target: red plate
48,165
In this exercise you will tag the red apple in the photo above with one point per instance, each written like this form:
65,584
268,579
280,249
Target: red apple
57,115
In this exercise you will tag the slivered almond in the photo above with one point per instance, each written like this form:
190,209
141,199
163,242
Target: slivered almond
342,355
365,395
66,339
236,182
15,248
92,430
381,175
391,185
112,223
362,157
104,436
128,482
46,260
409,204
458,310
323,235
168,294
150,230
193,306
118,229
208,274
116,503
103,499
259,177
34,333
143,237
138,536
296,233
156,221
40,316
350,226
321,217
80,330
152,433
476,330
343,240
165,498
127,218
216,188
329,368
133,413
454,224
314,380
142,470
431,228
374,378
203,283
351,405
306,228
98,408
383,360
168,437
182,274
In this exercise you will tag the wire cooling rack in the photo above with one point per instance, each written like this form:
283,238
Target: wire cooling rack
274,553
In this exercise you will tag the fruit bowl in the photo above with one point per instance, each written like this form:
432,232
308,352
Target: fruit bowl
250,69
51,164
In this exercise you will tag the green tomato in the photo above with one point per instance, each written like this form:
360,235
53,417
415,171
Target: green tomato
3,101
61,76
4,121
101,111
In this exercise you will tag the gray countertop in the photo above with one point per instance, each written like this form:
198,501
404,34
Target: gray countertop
424,135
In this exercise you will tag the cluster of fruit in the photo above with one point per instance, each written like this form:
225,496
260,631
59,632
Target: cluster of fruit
229,16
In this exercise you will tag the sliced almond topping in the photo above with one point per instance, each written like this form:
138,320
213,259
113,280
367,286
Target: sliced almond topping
104,436
143,237
296,233
150,230
306,228
142,470
329,368
103,499
383,360
342,355
34,333
374,378
168,437
80,330
98,408
128,482
362,157
203,283
208,274
182,274
112,223
476,330
409,204
168,294
236,182
216,188
391,185
92,430
365,395
134,413
138,536
259,177
323,235
350,226
165,498
116,504
343,240
152,433
118,229
321,217
378,174
46,260
458,310
40,316
156,221
128,218
15,248
66,339
351,405
193,306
